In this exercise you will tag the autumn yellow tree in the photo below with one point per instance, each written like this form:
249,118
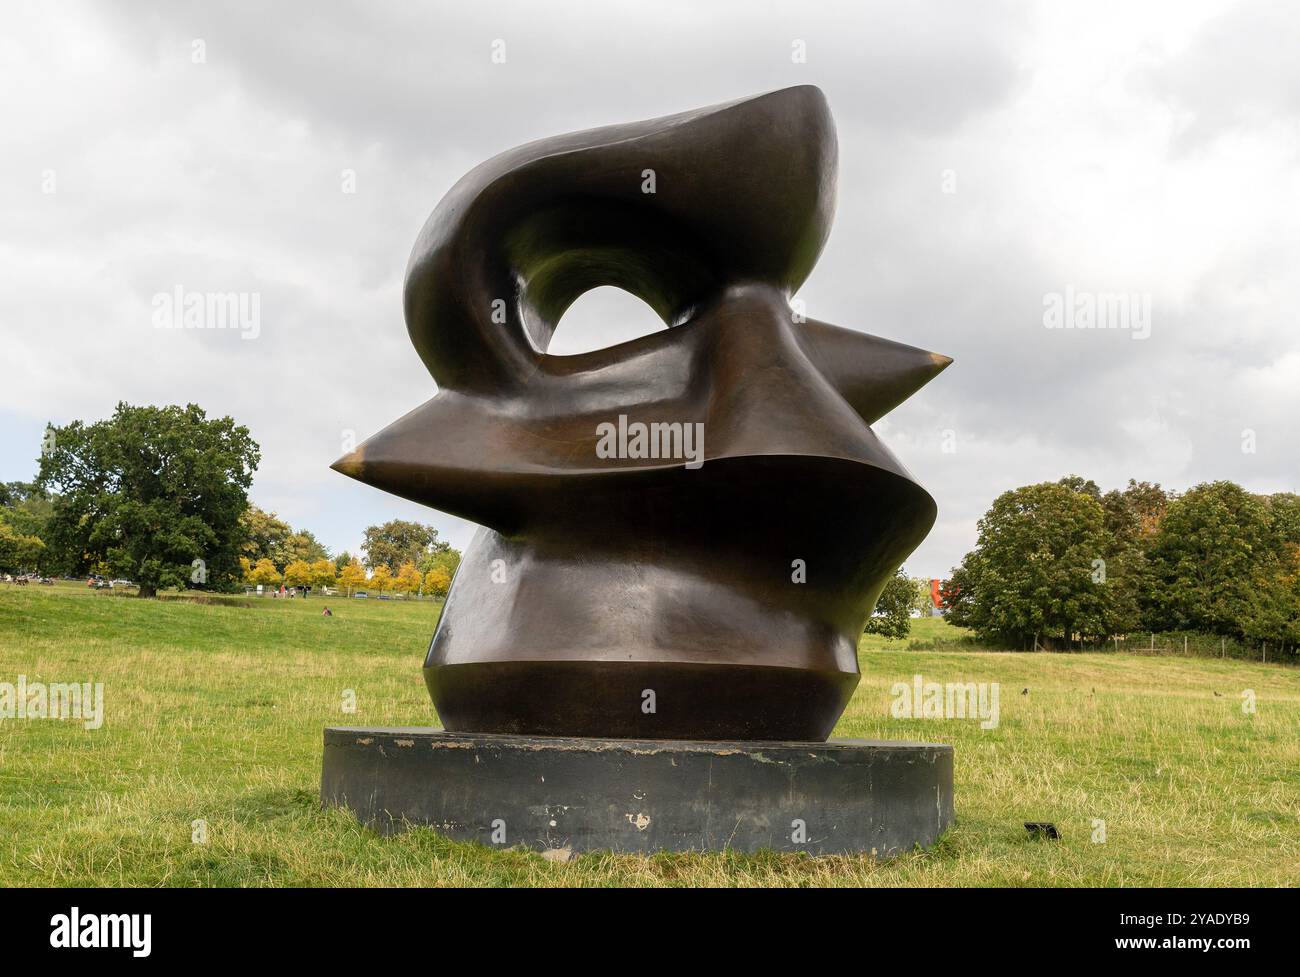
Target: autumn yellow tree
246,569
297,574
352,576
381,578
437,581
264,573
323,573
408,578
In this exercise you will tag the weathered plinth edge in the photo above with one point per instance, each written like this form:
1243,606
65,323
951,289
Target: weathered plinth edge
643,795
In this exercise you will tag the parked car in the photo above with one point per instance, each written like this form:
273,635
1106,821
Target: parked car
360,593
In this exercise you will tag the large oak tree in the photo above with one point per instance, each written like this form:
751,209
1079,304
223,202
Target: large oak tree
155,493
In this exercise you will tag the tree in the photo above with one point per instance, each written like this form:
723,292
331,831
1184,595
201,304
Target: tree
268,536
1274,612
352,577
323,573
298,574
922,602
446,558
893,614
399,541
1134,514
1084,486
304,546
1044,569
156,493
437,582
381,578
1284,508
19,553
15,493
1215,545
264,573
264,535
342,560
408,579
25,511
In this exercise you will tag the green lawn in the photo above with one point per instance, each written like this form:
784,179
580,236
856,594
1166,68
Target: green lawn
215,712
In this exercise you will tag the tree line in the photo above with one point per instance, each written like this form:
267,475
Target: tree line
159,496
400,556
1062,564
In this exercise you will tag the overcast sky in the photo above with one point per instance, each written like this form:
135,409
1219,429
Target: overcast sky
990,155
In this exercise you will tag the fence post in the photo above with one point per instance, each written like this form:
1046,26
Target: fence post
1184,646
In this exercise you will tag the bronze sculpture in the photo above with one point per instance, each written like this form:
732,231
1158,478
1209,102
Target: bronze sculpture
683,534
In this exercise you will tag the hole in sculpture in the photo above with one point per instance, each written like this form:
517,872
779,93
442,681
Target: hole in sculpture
603,317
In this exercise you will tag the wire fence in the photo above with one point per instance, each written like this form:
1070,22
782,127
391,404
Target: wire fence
1196,645
1190,644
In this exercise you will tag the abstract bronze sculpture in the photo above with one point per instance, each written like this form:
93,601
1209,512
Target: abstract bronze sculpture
684,533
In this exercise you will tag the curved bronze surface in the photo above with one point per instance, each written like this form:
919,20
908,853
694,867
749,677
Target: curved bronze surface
652,597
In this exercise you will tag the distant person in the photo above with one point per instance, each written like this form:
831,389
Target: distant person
327,613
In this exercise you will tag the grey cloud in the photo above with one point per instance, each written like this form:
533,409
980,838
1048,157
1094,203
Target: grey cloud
1239,72
226,177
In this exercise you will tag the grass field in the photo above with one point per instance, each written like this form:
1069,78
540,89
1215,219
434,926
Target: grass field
215,712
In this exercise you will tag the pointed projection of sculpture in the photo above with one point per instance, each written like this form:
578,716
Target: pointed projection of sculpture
684,534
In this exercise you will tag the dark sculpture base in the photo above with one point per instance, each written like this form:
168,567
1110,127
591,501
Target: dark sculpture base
568,795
